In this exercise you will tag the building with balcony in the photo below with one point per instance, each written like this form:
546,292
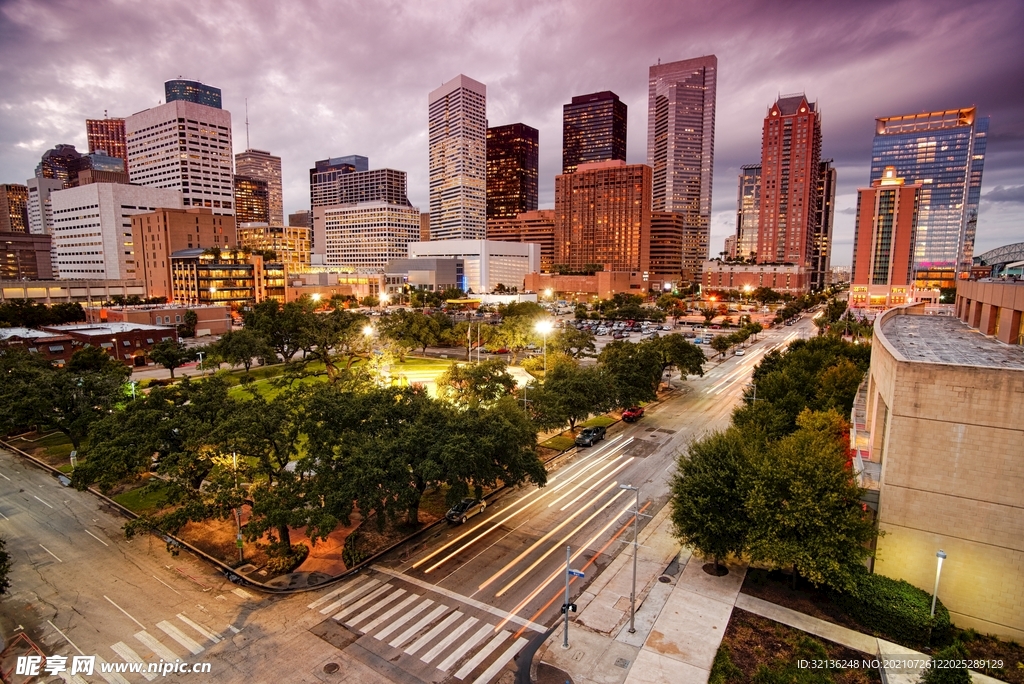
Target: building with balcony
225,277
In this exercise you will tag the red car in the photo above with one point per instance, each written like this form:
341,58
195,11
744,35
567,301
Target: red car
632,414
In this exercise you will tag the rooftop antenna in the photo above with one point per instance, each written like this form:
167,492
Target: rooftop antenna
247,124
659,61
105,116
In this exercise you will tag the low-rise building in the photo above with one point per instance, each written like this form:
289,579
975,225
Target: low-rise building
84,291
321,285
129,343
289,243
432,274
210,320
54,347
783,278
225,277
600,285
487,263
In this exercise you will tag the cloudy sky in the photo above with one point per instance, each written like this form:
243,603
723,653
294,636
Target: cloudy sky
333,78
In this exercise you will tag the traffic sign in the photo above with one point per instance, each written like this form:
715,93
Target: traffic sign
575,573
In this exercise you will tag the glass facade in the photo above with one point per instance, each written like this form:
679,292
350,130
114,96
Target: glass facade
192,91
457,133
748,210
252,200
107,135
593,129
512,161
944,152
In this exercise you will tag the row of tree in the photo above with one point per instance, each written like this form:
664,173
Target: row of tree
22,312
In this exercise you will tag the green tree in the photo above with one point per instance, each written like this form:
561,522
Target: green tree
571,393
469,334
336,340
188,325
518,330
242,347
765,295
709,314
634,372
668,303
676,350
471,385
369,301
721,343
412,329
281,326
572,342
171,354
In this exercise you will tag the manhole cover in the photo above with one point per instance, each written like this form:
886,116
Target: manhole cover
664,579
331,668
621,662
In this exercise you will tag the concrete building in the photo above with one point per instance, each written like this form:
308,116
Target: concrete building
230,278
184,90
783,278
512,162
488,263
748,210
340,184
321,285
730,246
824,218
668,231
92,228
457,131
25,257
363,236
90,291
593,130
265,166
432,274
537,227
40,210
883,243
108,135
13,208
425,226
584,288
252,200
993,307
940,433
161,138
210,320
603,217
290,243
56,348
159,234
129,343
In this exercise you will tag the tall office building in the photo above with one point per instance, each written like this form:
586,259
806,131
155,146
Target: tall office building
252,200
332,184
748,210
108,135
263,165
158,234
364,236
944,151
458,160
303,218
821,242
183,90
681,137
290,243
62,163
790,164
40,212
603,217
883,242
187,147
537,227
593,129
13,208
512,160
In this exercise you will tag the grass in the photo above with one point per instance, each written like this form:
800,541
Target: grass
143,499
598,421
559,443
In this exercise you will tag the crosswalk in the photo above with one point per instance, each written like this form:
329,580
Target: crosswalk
425,629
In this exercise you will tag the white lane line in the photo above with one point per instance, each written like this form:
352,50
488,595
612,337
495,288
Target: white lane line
344,587
448,640
50,552
129,656
464,648
420,624
384,633
96,538
41,501
66,638
380,619
610,473
375,607
433,634
242,593
124,611
487,650
234,629
215,638
348,610
167,585
5,477
154,645
583,482
496,666
4,516
179,636
111,677
334,605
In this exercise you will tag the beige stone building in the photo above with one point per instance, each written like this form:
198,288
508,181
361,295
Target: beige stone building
941,431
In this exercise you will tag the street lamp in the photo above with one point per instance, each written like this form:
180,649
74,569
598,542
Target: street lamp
941,555
548,293
636,519
544,327
368,330
200,355
383,300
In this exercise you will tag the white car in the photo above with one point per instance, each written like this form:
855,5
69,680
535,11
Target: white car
740,352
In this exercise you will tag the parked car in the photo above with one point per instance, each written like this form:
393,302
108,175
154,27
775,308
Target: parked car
464,510
500,351
590,436
740,352
633,414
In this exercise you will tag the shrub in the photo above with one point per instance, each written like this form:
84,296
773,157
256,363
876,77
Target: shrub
895,608
351,554
948,675
283,564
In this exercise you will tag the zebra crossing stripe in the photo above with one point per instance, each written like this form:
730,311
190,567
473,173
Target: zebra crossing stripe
154,645
129,656
170,630
375,607
330,608
448,640
383,634
111,677
482,654
344,587
432,634
215,638
376,622
423,622
348,610
496,666
465,647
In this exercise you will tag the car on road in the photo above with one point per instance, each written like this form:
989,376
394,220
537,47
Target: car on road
500,351
633,414
590,436
740,352
464,510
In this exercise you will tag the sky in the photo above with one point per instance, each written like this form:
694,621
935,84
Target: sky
333,78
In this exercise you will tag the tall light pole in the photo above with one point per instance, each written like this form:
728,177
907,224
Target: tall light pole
941,555
544,327
383,300
238,513
636,520
200,355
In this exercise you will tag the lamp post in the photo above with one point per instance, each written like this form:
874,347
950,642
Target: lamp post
383,300
941,555
200,355
636,520
238,513
544,327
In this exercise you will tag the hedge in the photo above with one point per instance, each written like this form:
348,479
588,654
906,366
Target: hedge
896,609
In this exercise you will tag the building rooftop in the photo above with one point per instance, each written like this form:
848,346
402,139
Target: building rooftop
945,339
111,328
25,333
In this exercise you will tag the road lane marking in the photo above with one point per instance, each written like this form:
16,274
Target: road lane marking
496,666
380,619
129,656
96,538
362,589
50,552
362,602
448,640
5,477
154,645
242,593
215,638
66,638
433,634
185,640
375,607
125,612
384,633
611,473
327,597
420,624
4,516
41,501
167,585
587,479
482,654
464,648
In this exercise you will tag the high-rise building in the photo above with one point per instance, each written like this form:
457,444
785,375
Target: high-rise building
289,243
593,129
24,256
158,234
303,218
425,226
62,163
458,159
183,90
99,167
108,135
161,139
681,137
790,164
667,231
603,218
944,151
883,242
263,165
537,227
364,236
821,245
342,184
512,161
40,211
252,200
13,208
730,246
748,211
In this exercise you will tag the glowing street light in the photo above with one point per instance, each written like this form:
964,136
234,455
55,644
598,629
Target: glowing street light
941,555
368,330
544,327
547,293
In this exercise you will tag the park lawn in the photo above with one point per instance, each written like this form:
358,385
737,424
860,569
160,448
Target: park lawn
559,443
143,499
54,448
598,421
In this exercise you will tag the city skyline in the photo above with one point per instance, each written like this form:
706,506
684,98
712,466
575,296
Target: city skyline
375,107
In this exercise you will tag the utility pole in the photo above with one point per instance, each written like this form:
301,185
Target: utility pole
636,521
565,606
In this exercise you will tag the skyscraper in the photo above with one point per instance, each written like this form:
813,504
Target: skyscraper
458,159
40,210
944,151
748,210
62,163
593,129
252,200
13,208
161,139
263,165
331,184
537,227
191,91
512,158
821,241
681,137
107,135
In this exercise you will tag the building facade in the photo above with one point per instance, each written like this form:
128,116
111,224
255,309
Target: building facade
161,138
342,184
537,227
593,130
92,228
210,320
62,163
668,231
364,236
430,274
883,243
748,211
457,131
108,135
289,243
25,257
302,219
487,263
821,241
159,234
783,278
252,200
228,278
993,307
512,163
184,90
603,218
265,166
13,208
944,151
88,291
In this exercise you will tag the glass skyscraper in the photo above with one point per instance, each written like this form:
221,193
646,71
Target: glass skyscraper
191,91
945,153
512,153
593,129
